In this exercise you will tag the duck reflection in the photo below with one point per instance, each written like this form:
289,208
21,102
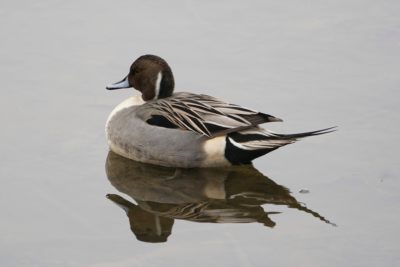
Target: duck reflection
216,195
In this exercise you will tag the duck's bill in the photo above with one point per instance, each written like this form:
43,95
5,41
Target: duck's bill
120,201
124,83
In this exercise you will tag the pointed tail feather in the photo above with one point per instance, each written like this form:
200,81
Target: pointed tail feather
306,134
244,146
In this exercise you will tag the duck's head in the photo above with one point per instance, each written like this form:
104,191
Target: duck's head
150,75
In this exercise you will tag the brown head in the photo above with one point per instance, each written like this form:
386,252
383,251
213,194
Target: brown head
150,75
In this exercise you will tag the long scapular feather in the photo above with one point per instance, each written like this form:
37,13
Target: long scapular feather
207,115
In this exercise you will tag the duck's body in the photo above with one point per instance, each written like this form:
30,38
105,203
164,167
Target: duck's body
183,129
130,136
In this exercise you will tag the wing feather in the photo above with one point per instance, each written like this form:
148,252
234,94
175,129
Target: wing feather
205,115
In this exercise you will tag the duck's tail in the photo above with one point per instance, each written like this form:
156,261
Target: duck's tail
244,146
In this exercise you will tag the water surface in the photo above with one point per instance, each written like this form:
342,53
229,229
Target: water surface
314,64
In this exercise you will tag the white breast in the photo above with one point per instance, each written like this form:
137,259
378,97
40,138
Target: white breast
129,102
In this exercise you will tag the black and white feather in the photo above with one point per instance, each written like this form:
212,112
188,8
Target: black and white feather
203,114
244,146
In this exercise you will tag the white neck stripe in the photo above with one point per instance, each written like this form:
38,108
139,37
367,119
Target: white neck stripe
158,85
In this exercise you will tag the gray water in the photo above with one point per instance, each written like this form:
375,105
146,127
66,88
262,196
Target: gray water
315,64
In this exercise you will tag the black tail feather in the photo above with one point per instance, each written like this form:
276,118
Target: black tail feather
306,134
242,148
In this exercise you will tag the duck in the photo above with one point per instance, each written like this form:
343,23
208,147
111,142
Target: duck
186,130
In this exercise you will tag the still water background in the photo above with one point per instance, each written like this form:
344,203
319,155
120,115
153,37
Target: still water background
315,64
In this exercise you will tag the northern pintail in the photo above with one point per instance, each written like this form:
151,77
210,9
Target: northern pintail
184,129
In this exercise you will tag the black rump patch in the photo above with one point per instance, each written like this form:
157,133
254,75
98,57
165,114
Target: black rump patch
237,155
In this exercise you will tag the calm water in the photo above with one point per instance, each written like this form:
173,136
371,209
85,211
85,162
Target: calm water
313,64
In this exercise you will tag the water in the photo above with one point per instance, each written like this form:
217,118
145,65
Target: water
215,195
315,65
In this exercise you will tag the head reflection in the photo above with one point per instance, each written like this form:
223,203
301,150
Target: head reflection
216,195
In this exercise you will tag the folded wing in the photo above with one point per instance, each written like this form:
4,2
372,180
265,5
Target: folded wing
204,114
